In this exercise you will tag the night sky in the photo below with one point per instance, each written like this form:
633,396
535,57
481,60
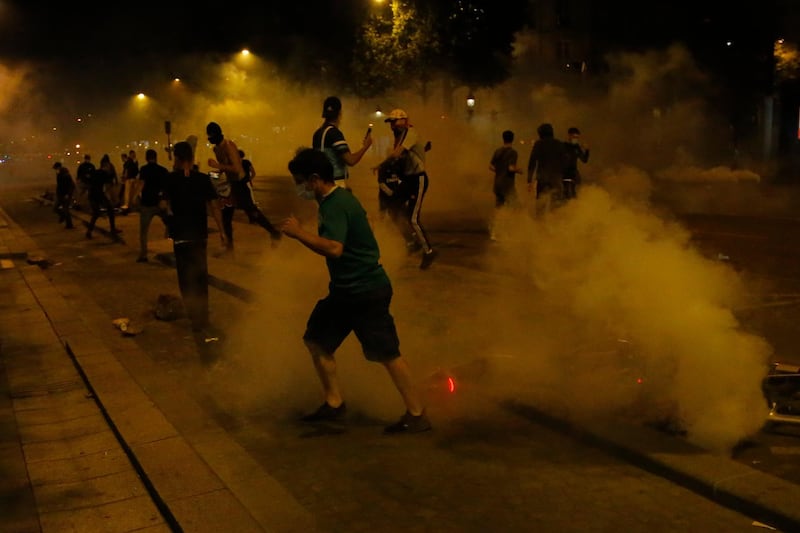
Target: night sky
90,51
75,30
120,31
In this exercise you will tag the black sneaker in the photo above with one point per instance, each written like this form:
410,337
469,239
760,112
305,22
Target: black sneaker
427,259
409,423
326,413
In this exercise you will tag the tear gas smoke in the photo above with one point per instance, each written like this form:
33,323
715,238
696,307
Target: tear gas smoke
560,294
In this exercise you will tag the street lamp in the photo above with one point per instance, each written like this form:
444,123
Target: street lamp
470,104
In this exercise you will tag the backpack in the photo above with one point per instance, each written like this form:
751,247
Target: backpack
169,307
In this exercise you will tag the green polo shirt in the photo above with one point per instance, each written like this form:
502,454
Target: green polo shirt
343,219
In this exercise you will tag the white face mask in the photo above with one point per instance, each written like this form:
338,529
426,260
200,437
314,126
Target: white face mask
304,193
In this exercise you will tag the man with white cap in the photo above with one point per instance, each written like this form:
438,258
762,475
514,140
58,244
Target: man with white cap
413,182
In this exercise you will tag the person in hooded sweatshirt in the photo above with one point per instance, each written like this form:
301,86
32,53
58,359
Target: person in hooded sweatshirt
546,169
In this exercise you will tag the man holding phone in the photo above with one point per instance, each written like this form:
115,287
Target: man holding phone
329,138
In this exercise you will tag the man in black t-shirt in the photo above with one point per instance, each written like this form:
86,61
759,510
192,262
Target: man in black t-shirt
130,183
153,178
83,176
65,187
101,179
190,195
504,166
575,152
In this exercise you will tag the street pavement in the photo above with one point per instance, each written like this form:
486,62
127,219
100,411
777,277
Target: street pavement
158,431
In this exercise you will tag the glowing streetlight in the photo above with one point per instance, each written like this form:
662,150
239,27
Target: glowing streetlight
245,52
470,105
140,96
378,112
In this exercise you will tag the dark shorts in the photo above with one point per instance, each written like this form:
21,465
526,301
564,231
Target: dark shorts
505,196
242,196
366,314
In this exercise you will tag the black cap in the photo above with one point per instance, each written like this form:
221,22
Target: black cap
331,107
56,165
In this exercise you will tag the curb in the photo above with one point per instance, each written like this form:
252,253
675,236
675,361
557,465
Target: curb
763,497
190,468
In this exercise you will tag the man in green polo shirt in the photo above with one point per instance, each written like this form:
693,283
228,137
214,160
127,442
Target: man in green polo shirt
359,292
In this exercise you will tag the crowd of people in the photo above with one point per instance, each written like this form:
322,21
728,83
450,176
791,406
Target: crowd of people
360,291
552,171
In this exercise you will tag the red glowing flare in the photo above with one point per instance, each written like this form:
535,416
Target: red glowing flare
451,384
639,381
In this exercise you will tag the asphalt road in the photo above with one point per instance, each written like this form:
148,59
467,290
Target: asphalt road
484,467
764,250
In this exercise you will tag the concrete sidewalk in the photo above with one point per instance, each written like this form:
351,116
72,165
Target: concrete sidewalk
89,448
77,403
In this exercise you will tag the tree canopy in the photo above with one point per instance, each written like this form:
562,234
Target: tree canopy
412,41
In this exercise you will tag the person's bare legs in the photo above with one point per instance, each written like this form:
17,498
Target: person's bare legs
325,365
401,376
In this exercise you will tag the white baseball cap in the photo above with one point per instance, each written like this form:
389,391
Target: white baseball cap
396,114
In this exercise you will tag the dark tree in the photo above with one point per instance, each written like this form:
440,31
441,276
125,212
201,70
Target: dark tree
477,37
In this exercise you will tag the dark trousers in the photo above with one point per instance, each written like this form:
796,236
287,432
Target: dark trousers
99,202
241,198
62,207
191,263
412,190
570,188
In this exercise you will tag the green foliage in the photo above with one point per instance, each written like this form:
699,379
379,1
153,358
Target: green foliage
787,61
393,49
469,41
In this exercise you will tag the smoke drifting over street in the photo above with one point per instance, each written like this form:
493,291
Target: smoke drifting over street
573,308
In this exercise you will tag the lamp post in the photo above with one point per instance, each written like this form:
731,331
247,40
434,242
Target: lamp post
168,131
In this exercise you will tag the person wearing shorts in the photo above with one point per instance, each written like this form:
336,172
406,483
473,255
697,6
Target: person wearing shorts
359,296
